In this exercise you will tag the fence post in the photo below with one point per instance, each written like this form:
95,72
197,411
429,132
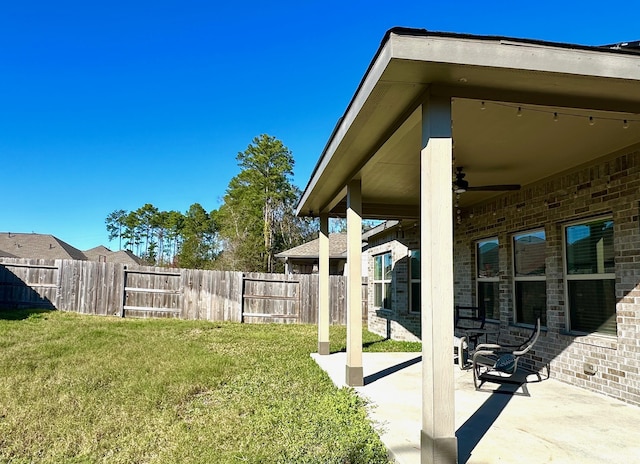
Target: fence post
124,290
242,285
57,304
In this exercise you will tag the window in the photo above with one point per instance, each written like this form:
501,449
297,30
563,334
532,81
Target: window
487,277
414,266
530,286
382,281
590,276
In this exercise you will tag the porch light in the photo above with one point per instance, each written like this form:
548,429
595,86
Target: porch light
632,118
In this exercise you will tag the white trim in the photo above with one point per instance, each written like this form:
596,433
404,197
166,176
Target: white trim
530,278
491,279
411,280
382,280
606,276
516,279
515,54
576,277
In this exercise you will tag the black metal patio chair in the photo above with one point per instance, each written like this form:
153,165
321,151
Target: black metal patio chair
499,362
469,326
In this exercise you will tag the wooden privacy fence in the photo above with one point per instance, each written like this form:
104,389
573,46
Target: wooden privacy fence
265,299
113,289
29,283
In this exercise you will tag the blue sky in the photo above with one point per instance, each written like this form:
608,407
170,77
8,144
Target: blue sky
111,105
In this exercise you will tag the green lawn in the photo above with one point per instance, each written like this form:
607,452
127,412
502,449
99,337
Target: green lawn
79,389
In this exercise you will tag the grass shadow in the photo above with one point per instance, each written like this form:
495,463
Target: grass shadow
364,345
383,345
22,313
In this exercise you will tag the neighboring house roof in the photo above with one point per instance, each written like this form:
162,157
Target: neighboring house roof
38,246
102,253
337,248
46,246
95,253
5,254
123,257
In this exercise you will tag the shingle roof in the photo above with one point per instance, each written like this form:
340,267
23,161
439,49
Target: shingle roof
102,253
632,45
123,257
45,246
38,246
6,254
337,248
95,253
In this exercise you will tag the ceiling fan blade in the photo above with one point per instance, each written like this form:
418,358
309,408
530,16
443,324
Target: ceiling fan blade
493,188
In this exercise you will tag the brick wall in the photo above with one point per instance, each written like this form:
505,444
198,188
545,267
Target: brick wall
399,323
610,187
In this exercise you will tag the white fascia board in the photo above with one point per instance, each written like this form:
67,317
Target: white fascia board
516,55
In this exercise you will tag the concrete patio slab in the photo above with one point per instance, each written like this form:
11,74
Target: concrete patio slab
541,421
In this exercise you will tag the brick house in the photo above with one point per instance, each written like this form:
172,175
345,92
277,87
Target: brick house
543,142
303,259
393,270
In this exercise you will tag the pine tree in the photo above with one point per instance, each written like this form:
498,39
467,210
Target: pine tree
257,213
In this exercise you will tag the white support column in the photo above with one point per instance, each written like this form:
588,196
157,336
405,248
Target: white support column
323,286
438,440
354,374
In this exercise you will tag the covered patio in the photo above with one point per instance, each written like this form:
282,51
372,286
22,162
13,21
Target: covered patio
544,421
507,111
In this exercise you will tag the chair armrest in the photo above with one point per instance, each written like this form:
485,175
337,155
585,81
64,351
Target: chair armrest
483,358
483,353
460,341
491,347
486,354
460,344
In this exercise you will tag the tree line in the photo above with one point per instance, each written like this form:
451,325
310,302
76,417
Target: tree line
255,221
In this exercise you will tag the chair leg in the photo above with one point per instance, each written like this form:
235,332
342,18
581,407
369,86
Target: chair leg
476,375
462,353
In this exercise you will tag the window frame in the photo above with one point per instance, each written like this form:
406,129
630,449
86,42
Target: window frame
411,280
533,278
583,277
382,281
493,279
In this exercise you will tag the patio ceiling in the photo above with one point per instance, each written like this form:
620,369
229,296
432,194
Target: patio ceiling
378,140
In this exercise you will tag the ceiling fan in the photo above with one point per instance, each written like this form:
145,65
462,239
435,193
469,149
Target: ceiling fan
460,185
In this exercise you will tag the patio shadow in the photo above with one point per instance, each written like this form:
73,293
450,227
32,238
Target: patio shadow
471,432
391,370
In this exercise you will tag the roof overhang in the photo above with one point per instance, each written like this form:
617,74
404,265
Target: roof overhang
378,139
